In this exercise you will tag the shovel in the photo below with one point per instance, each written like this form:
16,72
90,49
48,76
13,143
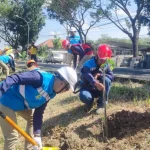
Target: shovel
23,133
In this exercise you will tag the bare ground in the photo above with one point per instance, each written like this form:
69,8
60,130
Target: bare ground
68,126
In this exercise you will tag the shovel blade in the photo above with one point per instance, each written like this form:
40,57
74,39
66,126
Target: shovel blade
51,148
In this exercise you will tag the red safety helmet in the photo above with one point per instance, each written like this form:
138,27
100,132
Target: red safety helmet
104,51
65,43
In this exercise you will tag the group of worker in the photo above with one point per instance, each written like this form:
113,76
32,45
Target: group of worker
90,69
27,94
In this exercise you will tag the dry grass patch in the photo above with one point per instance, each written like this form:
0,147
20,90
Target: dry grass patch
69,127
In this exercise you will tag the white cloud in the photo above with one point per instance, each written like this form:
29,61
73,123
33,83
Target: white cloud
95,29
121,13
85,26
58,32
52,33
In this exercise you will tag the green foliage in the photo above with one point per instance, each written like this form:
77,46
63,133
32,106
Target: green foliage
14,29
24,55
5,8
57,43
61,11
109,62
133,23
122,42
42,50
74,13
145,17
126,91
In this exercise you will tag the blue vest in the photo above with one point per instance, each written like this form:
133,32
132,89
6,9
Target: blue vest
22,97
73,40
91,64
5,58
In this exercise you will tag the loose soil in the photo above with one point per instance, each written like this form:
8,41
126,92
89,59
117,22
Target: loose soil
68,126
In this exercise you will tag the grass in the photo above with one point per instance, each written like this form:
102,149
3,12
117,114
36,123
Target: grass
129,91
67,125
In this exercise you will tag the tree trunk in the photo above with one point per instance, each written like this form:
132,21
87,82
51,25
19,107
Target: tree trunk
81,37
84,38
135,46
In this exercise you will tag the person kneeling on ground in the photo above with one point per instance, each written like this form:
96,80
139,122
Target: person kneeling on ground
7,60
21,93
92,78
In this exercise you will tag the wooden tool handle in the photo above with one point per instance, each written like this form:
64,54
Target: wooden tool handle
13,124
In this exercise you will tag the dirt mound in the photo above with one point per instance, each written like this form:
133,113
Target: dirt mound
126,123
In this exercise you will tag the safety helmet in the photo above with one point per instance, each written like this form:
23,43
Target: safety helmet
65,43
30,61
6,48
72,29
104,51
69,75
12,55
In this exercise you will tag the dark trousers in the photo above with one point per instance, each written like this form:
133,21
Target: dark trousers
34,57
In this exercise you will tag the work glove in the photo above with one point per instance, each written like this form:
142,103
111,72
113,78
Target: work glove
38,140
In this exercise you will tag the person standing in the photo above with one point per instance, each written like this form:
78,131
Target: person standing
73,39
33,52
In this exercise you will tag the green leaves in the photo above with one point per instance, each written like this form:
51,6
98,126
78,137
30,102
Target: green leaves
14,30
109,62
57,43
5,8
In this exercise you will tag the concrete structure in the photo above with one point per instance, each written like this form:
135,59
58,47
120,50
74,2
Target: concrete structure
145,62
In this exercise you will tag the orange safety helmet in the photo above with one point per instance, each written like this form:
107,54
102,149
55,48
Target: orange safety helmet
104,51
30,61
65,43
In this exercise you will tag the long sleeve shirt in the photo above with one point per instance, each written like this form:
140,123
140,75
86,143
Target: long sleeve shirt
81,50
73,40
8,60
88,74
33,78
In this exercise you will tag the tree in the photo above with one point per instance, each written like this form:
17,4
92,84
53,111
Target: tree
146,16
132,25
13,30
57,42
42,50
75,13
4,8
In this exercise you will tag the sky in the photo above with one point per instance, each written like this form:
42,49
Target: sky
53,27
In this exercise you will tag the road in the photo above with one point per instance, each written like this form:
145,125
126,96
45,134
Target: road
119,72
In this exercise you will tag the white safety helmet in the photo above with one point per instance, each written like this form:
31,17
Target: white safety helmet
69,75
12,55
72,29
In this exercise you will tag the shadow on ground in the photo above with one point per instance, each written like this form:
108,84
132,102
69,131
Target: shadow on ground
66,118
68,100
